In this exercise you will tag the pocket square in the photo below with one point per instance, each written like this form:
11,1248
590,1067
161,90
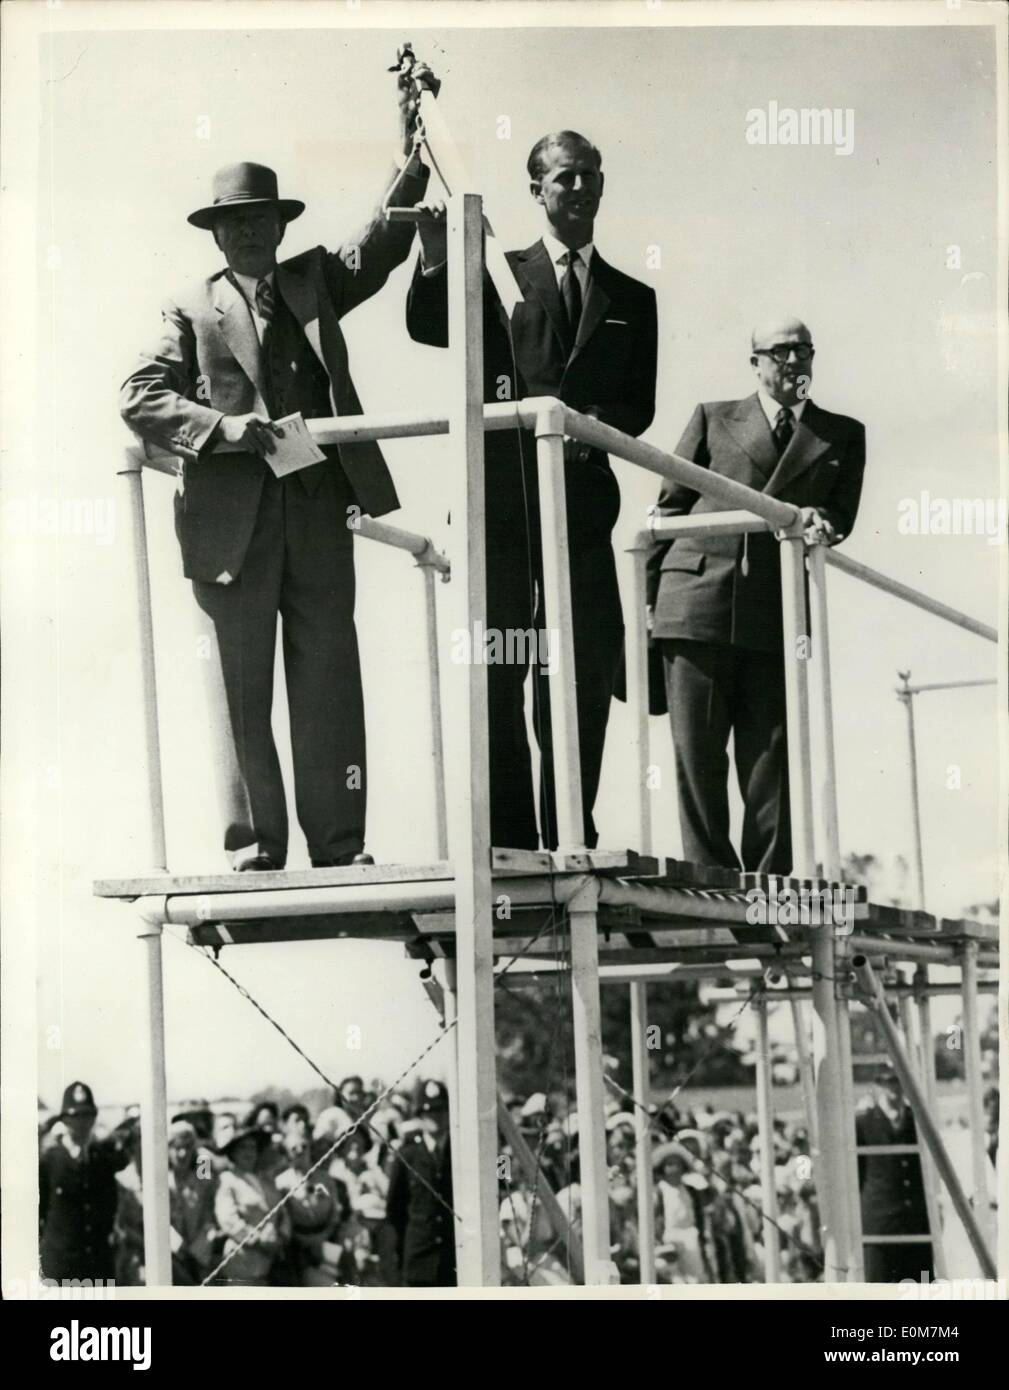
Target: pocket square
621,322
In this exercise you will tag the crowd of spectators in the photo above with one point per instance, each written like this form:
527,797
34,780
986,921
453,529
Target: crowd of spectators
707,1211
354,1175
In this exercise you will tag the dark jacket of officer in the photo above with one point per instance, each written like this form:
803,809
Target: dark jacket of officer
892,1187
893,1198
419,1210
77,1210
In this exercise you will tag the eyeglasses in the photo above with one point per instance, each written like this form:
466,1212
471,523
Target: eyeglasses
803,352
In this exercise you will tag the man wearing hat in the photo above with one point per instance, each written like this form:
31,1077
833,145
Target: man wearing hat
78,1193
255,342
891,1185
419,1206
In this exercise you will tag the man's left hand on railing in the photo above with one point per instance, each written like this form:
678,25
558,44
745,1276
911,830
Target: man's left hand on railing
816,529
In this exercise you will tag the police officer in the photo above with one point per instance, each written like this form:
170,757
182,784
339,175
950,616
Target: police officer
419,1207
891,1185
77,1193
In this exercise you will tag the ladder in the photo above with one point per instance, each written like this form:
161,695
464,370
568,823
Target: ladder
919,1049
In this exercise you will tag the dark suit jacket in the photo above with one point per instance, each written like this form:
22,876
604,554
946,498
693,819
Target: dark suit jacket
612,368
208,363
419,1210
77,1209
892,1187
697,584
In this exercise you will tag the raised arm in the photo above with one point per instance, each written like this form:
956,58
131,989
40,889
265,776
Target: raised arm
363,264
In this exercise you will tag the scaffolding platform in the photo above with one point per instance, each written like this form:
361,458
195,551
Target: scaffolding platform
652,909
607,917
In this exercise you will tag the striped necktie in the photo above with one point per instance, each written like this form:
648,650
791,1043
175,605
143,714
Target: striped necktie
264,301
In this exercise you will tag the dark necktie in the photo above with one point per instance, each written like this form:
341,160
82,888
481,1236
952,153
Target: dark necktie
571,293
784,428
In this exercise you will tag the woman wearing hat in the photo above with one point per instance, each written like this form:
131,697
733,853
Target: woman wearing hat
327,1245
244,1199
681,1250
192,1190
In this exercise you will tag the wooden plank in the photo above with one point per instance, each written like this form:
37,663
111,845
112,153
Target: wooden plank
182,885
504,863
681,873
609,862
522,861
468,767
902,921
373,926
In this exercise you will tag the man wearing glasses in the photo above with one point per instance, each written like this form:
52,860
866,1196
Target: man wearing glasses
716,600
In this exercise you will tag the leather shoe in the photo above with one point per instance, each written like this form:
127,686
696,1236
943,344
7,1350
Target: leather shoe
343,862
259,863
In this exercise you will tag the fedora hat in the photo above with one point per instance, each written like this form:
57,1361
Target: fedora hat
241,185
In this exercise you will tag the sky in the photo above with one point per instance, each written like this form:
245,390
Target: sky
131,127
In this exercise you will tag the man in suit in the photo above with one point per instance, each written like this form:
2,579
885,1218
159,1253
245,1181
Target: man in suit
255,342
891,1186
78,1193
717,599
419,1206
586,333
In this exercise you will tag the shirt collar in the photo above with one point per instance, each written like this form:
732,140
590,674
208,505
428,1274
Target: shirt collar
556,249
247,284
771,407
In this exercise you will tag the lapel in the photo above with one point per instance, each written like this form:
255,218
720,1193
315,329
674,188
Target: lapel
597,301
239,332
536,271
806,445
749,428
300,296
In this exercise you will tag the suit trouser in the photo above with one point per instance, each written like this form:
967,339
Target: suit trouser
300,566
515,600
713,689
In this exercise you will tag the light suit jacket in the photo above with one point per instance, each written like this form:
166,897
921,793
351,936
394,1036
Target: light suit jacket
208,363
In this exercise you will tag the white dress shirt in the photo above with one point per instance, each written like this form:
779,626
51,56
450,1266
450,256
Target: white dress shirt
247,284
771,407
556,250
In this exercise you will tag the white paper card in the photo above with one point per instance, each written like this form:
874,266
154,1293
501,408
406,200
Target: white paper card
294,446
